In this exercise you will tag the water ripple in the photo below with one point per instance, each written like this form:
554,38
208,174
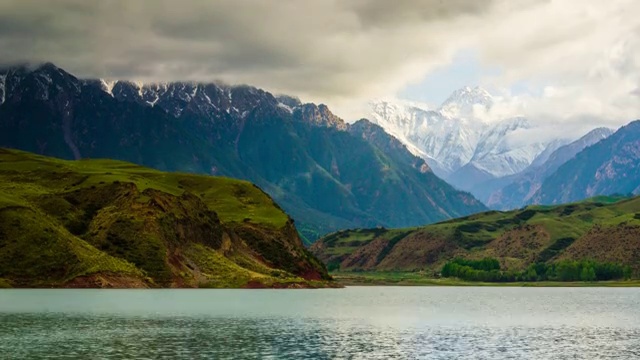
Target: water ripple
345,324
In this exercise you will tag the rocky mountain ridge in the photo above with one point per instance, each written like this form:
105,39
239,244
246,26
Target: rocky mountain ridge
313,164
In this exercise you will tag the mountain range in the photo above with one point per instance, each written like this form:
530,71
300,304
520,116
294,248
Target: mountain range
325,173
488,158
454,139
523,187
610,166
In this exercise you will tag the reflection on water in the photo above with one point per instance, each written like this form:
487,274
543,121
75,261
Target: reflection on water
363,322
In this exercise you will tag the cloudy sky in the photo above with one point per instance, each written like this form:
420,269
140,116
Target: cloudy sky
556,61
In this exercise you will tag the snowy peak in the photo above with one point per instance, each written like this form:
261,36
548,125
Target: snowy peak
470,95
107,86
289,103
210,100
455,135
395,105
399,117
466,101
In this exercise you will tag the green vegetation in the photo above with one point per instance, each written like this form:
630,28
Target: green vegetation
4,284
603,229
110,223
608,199
346,241
488,270
393,278
555,249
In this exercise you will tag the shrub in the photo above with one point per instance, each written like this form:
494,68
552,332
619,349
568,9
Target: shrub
488,270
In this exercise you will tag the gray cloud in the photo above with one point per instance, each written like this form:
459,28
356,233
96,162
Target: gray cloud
316,48
375,13
344,52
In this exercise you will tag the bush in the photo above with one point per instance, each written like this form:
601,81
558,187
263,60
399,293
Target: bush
488,270
526,215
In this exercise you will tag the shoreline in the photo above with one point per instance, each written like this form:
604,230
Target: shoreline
410,279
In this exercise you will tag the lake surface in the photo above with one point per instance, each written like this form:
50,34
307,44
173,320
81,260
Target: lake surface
351,323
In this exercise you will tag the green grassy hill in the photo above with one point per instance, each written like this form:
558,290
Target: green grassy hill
104,223
603,229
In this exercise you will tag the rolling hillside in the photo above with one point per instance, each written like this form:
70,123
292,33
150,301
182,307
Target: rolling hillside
605,229
105,223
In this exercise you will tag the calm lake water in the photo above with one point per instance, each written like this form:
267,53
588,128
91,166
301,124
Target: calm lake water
352,323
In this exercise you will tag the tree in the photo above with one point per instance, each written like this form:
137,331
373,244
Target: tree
588,274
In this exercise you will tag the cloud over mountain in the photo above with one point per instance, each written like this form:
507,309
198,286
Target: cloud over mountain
578,57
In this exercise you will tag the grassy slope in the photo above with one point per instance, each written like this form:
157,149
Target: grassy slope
89,222
600,228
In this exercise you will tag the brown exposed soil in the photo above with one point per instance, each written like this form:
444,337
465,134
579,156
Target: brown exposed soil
611,244
366,257
421,247
524,243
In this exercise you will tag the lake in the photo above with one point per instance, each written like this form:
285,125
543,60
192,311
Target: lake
351,323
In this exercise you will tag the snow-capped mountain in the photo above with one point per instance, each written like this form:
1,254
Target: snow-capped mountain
500,153
464,103
209,100
444,142
455,136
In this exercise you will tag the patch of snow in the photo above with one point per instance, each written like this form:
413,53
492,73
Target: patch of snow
204,93
206,96
44,76
286,107
153,103
3,79
139,85
107,86
163,87
187,91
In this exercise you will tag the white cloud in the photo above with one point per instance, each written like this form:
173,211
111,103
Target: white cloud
585,55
